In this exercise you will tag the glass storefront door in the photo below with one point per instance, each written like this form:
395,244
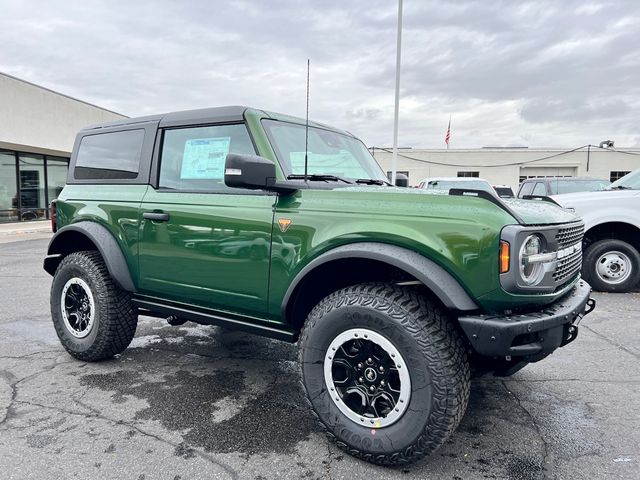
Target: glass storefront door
33,199
8,187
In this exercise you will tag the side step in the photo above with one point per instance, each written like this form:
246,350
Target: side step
156,308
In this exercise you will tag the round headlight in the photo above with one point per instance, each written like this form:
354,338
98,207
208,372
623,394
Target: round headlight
531,273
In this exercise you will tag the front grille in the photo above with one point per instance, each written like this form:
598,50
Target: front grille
569,236
568,266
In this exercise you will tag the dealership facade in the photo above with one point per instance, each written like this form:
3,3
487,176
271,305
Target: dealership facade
37,130
509,166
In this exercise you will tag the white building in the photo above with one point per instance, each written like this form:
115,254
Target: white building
509,166
37,130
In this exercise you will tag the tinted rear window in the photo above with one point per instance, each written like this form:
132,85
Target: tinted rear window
110,156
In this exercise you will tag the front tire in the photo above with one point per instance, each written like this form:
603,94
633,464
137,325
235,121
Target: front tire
93,317
385,371
611,266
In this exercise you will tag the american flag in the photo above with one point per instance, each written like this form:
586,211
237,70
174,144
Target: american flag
447,137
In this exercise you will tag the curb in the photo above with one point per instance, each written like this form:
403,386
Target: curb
25,229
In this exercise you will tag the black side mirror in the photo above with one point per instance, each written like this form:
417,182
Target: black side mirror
402,180
254,173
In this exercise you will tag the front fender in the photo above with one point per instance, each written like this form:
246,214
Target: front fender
432,275
596,218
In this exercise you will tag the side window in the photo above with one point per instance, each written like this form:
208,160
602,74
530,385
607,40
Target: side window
193,158
109,156
526,189
540,189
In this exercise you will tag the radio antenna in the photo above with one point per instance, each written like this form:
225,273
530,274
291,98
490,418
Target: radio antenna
306,128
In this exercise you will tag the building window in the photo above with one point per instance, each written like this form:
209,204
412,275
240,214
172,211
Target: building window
617,175
56,176
401,172
468,174
28,183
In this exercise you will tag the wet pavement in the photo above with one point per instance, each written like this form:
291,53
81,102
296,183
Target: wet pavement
203,402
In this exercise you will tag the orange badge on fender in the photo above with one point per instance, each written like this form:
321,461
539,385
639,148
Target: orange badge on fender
284,224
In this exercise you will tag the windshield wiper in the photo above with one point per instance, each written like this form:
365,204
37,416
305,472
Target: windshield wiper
319,178
372,181
620,187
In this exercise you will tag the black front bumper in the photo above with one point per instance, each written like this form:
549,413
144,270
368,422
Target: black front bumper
533,334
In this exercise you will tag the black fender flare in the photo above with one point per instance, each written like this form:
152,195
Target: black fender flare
104,241
433,276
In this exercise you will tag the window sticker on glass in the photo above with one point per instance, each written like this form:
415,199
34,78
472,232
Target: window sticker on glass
204,158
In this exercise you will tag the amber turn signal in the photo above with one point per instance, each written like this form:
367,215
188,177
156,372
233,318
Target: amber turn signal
504,256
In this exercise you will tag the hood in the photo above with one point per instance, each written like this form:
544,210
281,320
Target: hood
538,212
527,212
573,200
603,206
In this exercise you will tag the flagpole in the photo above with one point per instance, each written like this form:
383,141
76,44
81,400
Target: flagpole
394,156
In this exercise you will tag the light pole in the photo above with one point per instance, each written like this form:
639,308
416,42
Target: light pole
394,156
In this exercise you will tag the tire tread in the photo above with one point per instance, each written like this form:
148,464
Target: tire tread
437,338
118,319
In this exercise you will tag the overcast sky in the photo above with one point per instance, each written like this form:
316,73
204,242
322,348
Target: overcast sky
539,73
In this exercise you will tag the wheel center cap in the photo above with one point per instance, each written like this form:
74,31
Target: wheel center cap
370,374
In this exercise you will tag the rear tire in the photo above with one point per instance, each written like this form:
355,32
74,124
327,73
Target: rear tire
611,266
93,317
426,345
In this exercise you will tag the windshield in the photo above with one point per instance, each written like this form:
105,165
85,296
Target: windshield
630,180
448,184
572,186
329,152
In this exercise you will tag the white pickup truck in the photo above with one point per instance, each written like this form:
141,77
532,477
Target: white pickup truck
611,262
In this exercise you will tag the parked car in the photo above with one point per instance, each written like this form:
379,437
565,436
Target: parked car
504,191
391,293
546,186
444,184
611,241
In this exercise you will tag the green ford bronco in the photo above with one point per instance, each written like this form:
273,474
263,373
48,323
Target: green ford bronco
257,221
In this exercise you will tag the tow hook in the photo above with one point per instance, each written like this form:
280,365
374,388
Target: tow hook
591,304
569,335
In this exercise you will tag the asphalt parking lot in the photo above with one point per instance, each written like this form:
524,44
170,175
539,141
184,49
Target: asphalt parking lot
202,402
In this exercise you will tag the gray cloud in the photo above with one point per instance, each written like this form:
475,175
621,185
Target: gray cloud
539,73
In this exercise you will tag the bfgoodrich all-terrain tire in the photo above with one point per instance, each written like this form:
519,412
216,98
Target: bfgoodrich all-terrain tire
611,266
93,317
385,371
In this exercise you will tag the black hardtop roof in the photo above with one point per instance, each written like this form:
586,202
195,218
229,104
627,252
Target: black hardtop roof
201,115
232,113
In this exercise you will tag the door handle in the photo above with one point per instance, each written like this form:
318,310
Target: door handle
156,216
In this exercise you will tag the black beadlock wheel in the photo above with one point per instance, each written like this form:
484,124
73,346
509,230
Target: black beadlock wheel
611,266
385,371
94,318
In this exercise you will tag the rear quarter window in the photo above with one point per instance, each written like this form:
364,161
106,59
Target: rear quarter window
109,156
